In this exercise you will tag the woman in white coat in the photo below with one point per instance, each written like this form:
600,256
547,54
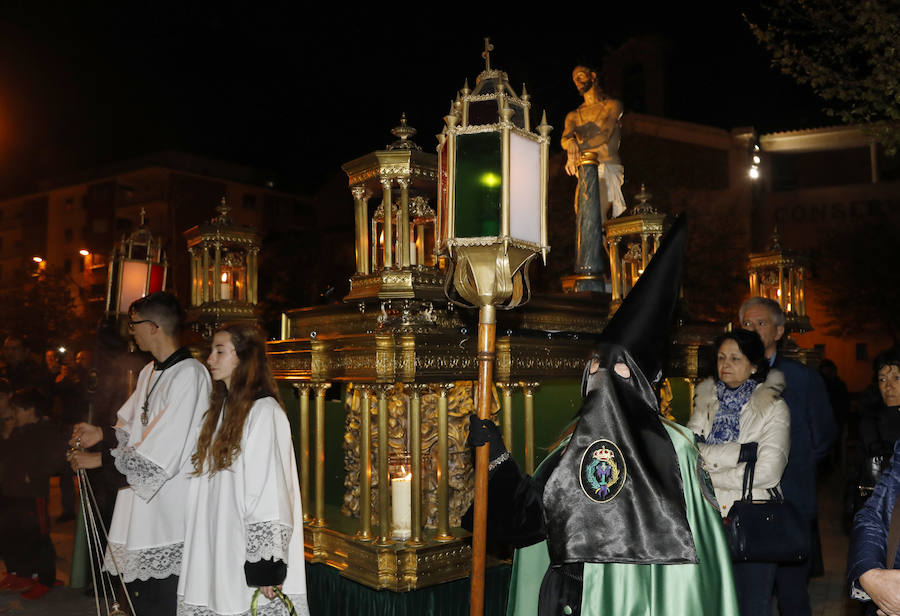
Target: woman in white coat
244,521
737,418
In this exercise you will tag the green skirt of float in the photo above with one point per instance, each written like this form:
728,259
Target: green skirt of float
647,590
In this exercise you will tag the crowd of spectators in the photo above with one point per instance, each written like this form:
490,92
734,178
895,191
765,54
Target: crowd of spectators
43,393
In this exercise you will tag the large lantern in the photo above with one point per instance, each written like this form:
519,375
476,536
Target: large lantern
137,268
492,221
492,191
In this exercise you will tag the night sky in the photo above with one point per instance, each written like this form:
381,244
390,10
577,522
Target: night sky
273,86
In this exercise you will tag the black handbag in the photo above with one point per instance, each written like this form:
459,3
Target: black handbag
765,531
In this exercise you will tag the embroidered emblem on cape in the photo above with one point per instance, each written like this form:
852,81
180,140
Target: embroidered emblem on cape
602,471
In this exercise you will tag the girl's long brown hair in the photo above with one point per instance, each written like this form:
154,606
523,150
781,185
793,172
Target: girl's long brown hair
218,449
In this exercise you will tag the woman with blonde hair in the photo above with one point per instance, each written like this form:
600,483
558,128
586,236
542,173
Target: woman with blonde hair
244,519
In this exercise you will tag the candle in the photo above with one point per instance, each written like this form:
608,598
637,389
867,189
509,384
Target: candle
225,289
401,506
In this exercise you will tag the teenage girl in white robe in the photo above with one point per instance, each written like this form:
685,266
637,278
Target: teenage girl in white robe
244,522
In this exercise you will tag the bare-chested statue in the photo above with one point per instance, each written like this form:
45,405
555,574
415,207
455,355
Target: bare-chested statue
591,139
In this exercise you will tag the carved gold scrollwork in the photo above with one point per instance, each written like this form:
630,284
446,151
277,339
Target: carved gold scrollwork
460,475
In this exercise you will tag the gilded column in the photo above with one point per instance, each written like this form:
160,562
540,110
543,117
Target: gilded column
415,460
303,395
443,483
320,452
420,244
403,222
362,236
217,273
253,276
365,463
645,251
388,232
781,298
384,486
529,389
204,277
193,257
507,390
615,270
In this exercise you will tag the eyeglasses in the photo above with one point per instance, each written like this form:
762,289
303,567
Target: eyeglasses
132,324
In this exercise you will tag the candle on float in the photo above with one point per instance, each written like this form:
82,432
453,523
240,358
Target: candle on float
401,506
225,289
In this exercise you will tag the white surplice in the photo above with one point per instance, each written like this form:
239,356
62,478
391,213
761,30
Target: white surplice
247,513
146,535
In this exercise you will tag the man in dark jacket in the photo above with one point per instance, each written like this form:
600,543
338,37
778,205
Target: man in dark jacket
35,451
813,429
869,578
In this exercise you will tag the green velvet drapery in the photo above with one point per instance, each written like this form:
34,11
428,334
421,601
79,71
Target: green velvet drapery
330,594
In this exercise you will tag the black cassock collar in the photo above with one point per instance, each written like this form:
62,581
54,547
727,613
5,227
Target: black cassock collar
179,355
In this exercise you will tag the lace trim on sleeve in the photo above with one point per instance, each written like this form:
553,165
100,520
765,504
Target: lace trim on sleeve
272,608
144,476
267,540
856,592
158,563
122,436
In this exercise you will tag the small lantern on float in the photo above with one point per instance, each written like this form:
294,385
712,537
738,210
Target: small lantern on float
633,239
394,252
224,262
137,268
779,274
492,222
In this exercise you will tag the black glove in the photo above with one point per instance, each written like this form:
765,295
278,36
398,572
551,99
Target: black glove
748,452
483,431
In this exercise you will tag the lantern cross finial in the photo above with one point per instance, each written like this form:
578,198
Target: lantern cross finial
143,217
486,54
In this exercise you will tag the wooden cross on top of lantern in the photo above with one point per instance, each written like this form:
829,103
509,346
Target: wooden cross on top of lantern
137,268
224,263
492,191
780,275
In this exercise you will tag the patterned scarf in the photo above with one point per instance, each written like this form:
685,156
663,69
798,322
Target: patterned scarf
726,427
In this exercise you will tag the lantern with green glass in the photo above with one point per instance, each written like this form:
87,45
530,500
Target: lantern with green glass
492,222
492,193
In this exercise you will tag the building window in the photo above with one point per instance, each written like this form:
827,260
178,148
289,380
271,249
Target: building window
70,235
862,351
70,204
249,202
67,266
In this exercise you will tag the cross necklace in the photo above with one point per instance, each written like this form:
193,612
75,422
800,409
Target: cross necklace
145,409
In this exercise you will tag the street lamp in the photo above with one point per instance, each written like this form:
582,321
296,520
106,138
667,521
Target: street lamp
492,222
